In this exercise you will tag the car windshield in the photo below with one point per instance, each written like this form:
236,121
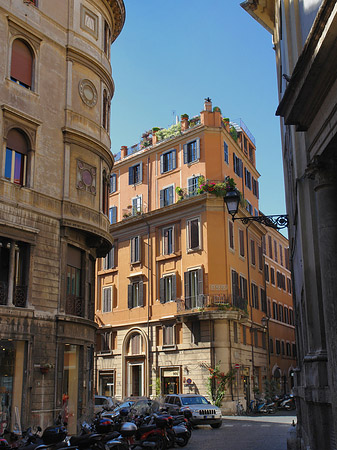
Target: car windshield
124,405
197,400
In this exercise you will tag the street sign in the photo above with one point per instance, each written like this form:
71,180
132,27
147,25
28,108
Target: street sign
237,366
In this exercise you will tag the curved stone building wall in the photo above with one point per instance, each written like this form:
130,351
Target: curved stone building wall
55,162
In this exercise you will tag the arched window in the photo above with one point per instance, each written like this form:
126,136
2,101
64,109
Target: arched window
16,157
22,63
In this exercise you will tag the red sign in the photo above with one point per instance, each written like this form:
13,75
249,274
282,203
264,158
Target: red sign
237,366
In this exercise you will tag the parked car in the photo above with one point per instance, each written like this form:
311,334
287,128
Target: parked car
203,412
126,405
103,402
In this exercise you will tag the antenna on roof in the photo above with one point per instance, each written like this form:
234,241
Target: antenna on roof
174,116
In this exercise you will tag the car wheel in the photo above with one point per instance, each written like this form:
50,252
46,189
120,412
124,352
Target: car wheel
216,425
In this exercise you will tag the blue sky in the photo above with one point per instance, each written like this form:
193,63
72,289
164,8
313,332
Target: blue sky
172,54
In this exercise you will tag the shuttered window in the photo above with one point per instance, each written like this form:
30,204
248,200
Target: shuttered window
168,161
113,183
252,252
135,249
166,196
168,240
191,151
113,214
193,234
107,299
22,63
194,289
231,234
168,288
241,243
135,294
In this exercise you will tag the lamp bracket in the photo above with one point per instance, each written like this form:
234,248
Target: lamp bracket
276,222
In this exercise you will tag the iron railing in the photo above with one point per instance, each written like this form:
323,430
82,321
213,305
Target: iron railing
20,296
214,301
75,305
3,292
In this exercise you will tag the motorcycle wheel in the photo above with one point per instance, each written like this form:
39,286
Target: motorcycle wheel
182,441
159,441
272,410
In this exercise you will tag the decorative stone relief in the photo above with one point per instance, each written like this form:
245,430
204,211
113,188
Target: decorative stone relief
88,92
89,21
86,177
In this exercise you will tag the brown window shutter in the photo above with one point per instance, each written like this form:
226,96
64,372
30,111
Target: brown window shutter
22,62
17,141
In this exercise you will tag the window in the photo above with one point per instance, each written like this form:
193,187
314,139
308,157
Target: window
264,343
256,338
225,151
256,212
74,301
105,117
14,259
255,296
244,335
231,234
272,275
113,214
260,256
113,183
245,147
275,312
243,288
235,285
271,345
248,179
291,317
166,196
289,285
281,255
108,261
107,299
255,187
168,161
106,344
266,272
249,207
286,258
270,247
294,350
193,234
275,251
106,39
238,166
263,301
135,346
286,315
135,294
22,62
288,349
193,280
16,157
251,153
235,330
168,288
195,332
192,185
280,313
252,252
282,348
136,173
269,307
264,249
137,205
168,240
168,335
135,249
278,346
192,151
241,243
105,193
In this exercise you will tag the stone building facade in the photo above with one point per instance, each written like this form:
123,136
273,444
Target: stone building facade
55,163
305,35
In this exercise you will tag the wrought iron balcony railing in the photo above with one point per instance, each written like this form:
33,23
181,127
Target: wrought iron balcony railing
75,305
221,302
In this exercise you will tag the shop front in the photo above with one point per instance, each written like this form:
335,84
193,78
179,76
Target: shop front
170,380
12,361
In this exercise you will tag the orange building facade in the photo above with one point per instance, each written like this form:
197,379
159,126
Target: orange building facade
184,287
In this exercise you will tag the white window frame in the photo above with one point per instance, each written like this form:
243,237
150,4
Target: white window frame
188,247
193,177
172,340
113,186
173,151
104,308
185,147
166,277
139,204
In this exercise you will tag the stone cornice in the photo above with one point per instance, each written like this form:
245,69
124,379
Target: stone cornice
72,136
118,13
314,72
73,54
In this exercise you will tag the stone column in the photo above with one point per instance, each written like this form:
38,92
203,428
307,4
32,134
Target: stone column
11,275
326,196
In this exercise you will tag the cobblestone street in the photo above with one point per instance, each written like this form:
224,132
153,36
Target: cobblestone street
244,433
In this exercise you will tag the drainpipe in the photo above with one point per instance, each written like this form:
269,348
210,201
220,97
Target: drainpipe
250,302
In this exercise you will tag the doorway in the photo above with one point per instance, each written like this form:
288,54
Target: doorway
135,385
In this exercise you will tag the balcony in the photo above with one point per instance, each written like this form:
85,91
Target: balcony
75,305
19,295
215,303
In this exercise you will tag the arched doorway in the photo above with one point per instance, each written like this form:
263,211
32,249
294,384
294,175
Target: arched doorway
135,364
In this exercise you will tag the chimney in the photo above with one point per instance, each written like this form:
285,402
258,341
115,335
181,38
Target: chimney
184,122
124,151
208,104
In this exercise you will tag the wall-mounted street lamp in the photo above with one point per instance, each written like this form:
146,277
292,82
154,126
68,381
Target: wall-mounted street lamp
232,200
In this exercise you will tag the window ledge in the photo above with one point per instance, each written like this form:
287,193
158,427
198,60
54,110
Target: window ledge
193,250
168,257
107,271
168,347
